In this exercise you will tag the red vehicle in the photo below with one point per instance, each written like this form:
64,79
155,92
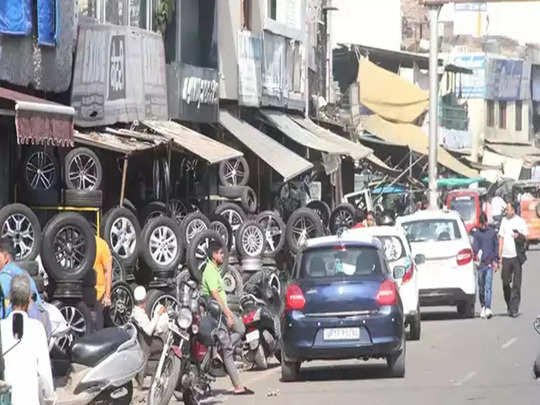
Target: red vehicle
467,203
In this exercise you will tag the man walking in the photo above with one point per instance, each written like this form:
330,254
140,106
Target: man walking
486,247
212,286
512,239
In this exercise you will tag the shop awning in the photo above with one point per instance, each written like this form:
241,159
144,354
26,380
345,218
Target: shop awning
354,150
118,143
412,137
389,95
206,148
291,129
507,167
284,161
38,121
528,153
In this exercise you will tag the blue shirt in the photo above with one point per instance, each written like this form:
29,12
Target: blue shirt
487,241
9,271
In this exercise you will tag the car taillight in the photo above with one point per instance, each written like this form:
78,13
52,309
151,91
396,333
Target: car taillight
408,274
387,294
464,257
294,298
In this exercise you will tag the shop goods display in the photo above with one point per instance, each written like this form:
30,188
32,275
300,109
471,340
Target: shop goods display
121,230
303,224
343,217
19,223
162,247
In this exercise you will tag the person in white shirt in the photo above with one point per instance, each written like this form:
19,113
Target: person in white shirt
512,238
497,206
27,363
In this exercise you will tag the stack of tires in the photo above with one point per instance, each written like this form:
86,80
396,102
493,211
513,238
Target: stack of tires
234,177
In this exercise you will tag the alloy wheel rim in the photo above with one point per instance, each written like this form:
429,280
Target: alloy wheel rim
195,227
40,171
166,300
121,305
123,237
163,245
229,283
252,240
178,210
76,323
234,172
303,229
271,232
19,229
70,247
83,172
222,230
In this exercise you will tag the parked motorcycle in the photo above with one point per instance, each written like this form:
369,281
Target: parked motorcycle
536,367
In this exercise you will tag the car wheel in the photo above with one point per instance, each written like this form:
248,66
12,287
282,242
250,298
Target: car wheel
158,297
41,169
197,252
274,231
415,325
234,172
78,321
231,192
321,209
234,215
162,248
192,225
118,271
83,170
290,370
83,198
122,303
121,230
152,210
396,362
177,210
343,217
69,247
250,239
221,226
19,223
466,309
249,200
232,281
303,224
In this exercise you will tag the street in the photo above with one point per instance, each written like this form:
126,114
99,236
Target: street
455,362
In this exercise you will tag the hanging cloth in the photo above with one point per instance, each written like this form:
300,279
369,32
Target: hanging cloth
47,22
16,17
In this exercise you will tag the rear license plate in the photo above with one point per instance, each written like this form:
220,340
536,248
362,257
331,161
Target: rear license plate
341,334
252,336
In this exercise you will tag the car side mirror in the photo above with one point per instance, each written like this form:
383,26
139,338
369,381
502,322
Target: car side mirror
419,259
399,272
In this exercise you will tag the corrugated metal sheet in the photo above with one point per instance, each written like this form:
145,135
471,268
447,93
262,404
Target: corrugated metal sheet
210,150
301,135
117,143
354,150
287,163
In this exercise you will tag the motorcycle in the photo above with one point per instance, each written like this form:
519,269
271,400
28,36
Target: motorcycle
536,367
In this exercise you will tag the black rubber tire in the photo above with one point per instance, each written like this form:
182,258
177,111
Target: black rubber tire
249,200
259,237
194,256
27,171
232,280
82,198
20,210
152,210
30,266
223,168
120,290
90,155
177,209
213,218
466,308
118,270
308,215
201,219
49,253
84,312
130,206
222,208
231,191
344,209
321,209
145,252
263,219
396,362
111,224
233,302
290,371
415,327
152,296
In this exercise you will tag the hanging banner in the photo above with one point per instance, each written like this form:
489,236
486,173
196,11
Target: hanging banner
249,69
504,79
119,75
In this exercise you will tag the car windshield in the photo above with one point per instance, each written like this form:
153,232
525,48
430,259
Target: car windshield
464,206
432,230
340,261
392,246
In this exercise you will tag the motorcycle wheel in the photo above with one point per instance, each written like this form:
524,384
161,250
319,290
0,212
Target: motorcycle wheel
115,396
260,358
163,385
190,398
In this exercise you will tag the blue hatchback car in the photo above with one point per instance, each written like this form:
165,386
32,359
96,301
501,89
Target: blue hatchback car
342,303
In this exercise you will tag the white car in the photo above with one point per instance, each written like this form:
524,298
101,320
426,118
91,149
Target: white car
442,250
398,253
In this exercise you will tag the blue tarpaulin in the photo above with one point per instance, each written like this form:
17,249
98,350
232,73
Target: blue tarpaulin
46,22
16,17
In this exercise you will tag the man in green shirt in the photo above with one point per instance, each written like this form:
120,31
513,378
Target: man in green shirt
212,286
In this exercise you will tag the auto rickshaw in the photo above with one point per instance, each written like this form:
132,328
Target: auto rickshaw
527,193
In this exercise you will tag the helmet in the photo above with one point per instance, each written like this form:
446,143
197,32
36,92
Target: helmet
139,294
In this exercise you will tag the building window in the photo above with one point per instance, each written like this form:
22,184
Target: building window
272,9
246,14
502,114
519,115
490,113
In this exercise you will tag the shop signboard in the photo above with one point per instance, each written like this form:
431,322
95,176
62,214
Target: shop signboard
472,86
504,78
119,75
249,69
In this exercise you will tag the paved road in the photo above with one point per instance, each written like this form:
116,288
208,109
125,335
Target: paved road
457,361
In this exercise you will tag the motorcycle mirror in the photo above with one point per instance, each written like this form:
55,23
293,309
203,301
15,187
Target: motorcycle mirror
536,325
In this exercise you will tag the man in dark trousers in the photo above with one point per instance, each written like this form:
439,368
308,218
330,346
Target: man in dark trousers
486,247
512,239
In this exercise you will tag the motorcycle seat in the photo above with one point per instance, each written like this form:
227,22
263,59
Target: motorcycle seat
90,350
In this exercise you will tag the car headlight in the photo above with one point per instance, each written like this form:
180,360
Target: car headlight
185,318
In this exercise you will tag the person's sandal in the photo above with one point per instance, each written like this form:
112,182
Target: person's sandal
246,391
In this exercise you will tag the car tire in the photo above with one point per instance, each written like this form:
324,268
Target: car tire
197,255
250,239
62,231
274,231
290,370
82,170
121,230
20,224
151,210
229,172
130,206
322,210
118,270
154,296
78,317
306,219
249,200
233,302
40,169
415,326
162,247
193,224
342,217
466,308
231,191
222,226
82,198
30,266
396,362
122,303
232,281
177,209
